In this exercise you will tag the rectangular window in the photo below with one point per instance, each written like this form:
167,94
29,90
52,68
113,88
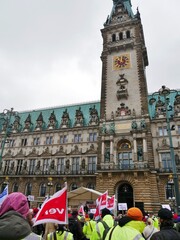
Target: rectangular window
24,142
75,165
36,141
32,166
77,138
63,139
92,164
46,164
49,140
125,160
166,160
92,137
7,166
60,165
19,166
162,131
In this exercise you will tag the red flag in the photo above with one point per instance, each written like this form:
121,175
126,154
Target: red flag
54,210
97,213
81,210
111,203
103,200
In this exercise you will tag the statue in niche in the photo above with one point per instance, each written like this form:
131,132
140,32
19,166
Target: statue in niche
112,128
134,125
140,153
39,122
52,121
107,155
79,119
16,125
112,115
52,165
28,123
38,165
83,165
67,164
103,130
24,170
93,116
65,119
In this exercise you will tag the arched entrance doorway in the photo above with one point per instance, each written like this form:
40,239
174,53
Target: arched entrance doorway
125,194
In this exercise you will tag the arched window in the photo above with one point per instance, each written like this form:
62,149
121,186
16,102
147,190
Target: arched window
91,185
58,187
73,186
42,190
15,187
128,34
120,36
125,155
28,190
113,37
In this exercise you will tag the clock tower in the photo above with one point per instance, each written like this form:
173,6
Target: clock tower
124,59
125,142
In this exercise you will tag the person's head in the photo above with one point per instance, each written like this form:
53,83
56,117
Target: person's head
135,214
91,215
165,217
17,202
105,212
74,213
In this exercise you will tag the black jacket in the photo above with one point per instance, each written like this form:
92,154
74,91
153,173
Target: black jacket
166,233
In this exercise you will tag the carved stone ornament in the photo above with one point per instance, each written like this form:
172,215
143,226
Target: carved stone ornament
177,105
28,123
123,111
79,118
52,121
65,120
94,119
16,125
122,92
39,122
160,108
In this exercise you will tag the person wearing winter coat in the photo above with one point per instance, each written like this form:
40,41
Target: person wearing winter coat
167,231
89,226
60,234
14,225
150,229
129,227
99,228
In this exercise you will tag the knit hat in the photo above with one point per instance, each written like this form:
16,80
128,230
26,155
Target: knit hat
165,213
15,201
135,213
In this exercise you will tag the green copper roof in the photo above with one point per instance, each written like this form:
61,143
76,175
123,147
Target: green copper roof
127,6
58,112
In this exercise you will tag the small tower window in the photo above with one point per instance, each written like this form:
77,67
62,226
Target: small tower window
113,37
120,36
128,34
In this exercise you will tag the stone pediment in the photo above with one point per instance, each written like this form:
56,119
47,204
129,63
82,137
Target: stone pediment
91,150
8,154
33,153
76,151
46,153
20,154
60,152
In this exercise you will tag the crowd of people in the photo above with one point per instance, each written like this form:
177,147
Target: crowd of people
16,223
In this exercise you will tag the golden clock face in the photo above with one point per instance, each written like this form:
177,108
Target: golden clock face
121,62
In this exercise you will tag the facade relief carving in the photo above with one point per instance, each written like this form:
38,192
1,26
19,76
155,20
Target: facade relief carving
123,111
65,120
122,92
52,121
94,119
79,118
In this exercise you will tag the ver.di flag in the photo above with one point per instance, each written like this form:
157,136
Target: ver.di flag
4,194
54,209
81,210
111,203
102,200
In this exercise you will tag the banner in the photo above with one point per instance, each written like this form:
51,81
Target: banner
4,194
81,211
54,209
101,202
111,203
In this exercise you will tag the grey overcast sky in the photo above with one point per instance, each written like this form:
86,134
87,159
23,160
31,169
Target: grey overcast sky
50,49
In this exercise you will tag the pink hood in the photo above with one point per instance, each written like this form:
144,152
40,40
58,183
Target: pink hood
15,201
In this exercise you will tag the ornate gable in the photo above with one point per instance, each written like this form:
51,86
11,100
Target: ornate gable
8,154
39,122
91,150
46,153
20,154
28,124
79,118
76,151
60,152
65,120
52,121
33,153
94,119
